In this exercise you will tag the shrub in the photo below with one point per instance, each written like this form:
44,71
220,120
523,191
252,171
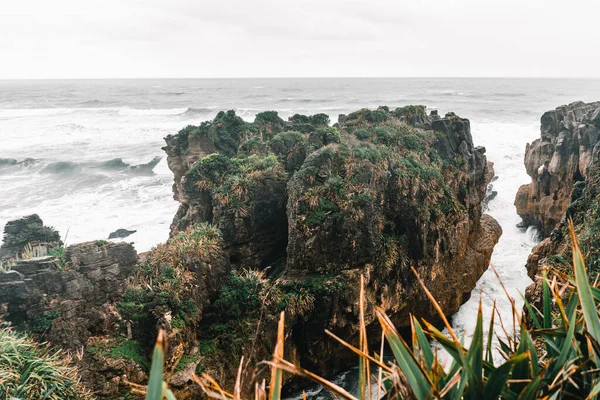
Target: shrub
164,279
32,371
363,134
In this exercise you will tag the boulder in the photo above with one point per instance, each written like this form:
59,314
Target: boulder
121,233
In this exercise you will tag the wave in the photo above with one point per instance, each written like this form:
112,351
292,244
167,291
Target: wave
116,165
12,162
89,106
95,103
196,111
34,112
126,111
507,94
61,168
5,162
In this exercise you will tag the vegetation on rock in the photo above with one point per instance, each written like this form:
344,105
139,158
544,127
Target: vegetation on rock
557,358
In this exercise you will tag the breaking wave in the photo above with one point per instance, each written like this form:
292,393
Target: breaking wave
116,164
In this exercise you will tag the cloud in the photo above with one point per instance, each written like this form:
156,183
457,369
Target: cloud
201,38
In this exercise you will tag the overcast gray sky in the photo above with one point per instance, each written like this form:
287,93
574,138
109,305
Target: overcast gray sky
282,38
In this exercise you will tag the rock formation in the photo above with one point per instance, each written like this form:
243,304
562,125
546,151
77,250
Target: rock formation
317,206
121,233
569,143
65,299
275,216
573,159
20,232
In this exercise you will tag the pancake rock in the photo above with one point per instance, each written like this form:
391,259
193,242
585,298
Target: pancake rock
309,208
569,144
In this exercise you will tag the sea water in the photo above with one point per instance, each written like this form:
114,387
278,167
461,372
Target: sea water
66,148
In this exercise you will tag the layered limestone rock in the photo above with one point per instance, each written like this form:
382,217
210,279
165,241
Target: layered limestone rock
584,210
569,144
67,300
317,206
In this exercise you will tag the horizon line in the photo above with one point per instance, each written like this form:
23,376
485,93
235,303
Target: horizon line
298,77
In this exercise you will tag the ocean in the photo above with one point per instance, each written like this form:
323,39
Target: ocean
68,148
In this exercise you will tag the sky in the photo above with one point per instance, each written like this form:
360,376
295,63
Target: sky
299,38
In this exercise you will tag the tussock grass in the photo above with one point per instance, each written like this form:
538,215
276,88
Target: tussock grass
29,370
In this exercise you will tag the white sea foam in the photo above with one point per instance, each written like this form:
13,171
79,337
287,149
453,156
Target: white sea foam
126,111
511,252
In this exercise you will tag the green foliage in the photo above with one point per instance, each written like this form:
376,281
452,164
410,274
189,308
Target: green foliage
58,251
42,323
385,135
225,131
164,279
34,231
210,169
270,117
325,209
157,387
373,154
101,243
310,122
289,139
324,136
252,146
409,111
31,371
412,142
363,134
238,297
120,348
130,350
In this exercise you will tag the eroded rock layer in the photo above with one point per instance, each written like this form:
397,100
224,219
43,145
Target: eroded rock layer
569,144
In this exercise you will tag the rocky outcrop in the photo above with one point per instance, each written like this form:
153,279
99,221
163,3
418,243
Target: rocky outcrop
245,199
121,233
584,210
319,206
347,212
67,300
569,144
20,232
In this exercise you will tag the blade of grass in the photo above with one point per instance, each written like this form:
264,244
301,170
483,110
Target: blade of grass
583,287
363,364
418,380
155,382
276,373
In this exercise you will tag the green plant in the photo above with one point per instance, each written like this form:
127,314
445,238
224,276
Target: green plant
563,365
43,322
61,261
6,265
32,371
